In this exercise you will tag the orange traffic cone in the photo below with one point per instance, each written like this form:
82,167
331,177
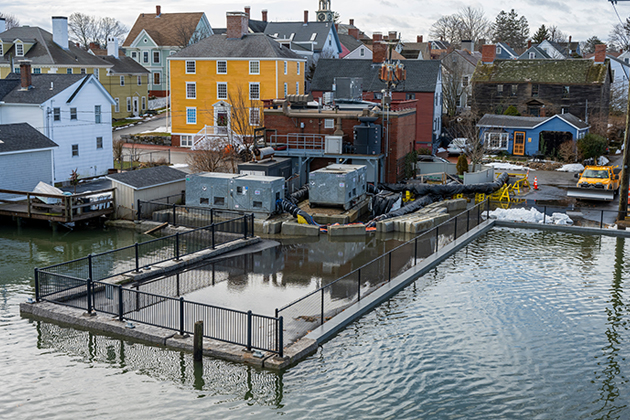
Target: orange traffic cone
535,183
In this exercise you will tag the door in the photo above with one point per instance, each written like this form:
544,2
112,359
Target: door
135,106
519,143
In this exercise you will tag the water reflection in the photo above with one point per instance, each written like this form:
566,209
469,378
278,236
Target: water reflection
611,374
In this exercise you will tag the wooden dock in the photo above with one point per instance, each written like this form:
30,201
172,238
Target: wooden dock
66,209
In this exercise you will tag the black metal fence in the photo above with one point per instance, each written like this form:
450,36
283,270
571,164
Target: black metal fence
319,306
580,216
181,215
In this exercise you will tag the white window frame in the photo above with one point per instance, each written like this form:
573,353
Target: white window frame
122,80
19,49
191,115
69,70
191,67
73,114
185,140
56,114
83,71
254,117
95,73
98,119
73,148
221,62
298,68
191,90
286,67
257,91
496,141
144,103
117,106
329,123
145,57
128,104
532,55
139,80
159,56
254,67
286,89
99,143
37,70
159,73
219,93
465,81
1,49
297,88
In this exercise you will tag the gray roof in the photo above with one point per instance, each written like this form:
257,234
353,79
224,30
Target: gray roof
40,91
301,32
511,121
539,53
124,65
45,51
148,177
251,45
257,26
421,75
16,137
350,42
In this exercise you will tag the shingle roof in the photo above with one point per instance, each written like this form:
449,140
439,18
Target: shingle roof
350,42
148,177
126,65
301,32
577,71
539,53
45,51
412,50
41,87
257,26
251,45
165,30
421,75
16,137
511,121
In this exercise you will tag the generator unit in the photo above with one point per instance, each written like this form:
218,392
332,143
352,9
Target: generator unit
338,185
367,136
246,193
268,167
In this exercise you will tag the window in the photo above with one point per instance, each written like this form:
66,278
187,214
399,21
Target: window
95,72
191,115
329,123
286,90
204,200
128,104
156,57
565,92
83,71
144,103
157,76
626,60
16,70
186,141
465,81
532,55
99,142
219,201
134,55
57,114
378,95
69,71
362,52
37,70
122,80
221,67
533,111
145,56
139,81
496,141
117,106
286,66
254,116
191,67
254,91
1,49
410,96
498,50
514,90
97,114
222,90
75,150
564,110
297,88
535,91
73,113
19,49
499,90
191,90
298,68
254,67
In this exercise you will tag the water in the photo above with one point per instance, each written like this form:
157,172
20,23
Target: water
520,325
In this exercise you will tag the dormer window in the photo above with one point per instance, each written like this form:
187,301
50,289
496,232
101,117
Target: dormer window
19,49
532,55
313,37
498,50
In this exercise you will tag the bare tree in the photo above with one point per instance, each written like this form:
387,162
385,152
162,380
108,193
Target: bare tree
475,147
86,29
447,28
467,24
186,33
206,160
619,37
107,27
452,87
246,116
556,35
10,21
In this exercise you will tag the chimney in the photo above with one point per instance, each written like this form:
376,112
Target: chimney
419,38
306,16
25,74
377,36
3,24
158,11
488,53
600,53
468,45
237,24
529,44
264,15
393,35
569,39
353,32
379,52
247,10
60,31
351,22
112,46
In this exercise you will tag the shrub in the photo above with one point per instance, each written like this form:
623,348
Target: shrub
591,146
424,151
511,110
568,151
462,164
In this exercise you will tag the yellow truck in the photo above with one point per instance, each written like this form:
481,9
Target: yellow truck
596,183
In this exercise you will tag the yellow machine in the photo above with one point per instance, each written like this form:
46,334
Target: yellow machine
596,183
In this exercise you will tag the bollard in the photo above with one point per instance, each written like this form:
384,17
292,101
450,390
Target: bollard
89,295
198,342
415,252
174,215
137,262
322,307
601,220
177,246
249,330
181,316
121,310
36,285
280,337
90,266
359,286
545,215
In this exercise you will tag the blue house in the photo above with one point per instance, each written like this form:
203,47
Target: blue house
505,52
529,136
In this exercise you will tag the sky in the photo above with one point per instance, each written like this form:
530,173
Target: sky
579,18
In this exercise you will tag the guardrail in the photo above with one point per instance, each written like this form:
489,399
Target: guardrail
181,215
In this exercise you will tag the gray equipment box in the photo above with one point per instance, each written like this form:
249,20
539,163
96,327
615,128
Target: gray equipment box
337,185
269,167
209,189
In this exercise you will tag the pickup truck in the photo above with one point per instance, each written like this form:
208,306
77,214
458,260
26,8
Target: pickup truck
596,183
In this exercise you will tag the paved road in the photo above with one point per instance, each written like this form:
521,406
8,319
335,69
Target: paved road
142,126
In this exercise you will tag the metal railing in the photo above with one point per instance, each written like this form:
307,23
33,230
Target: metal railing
580,216
294,141
181,215
321,305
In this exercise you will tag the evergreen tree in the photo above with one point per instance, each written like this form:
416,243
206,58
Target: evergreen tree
541,35
510,28
589,45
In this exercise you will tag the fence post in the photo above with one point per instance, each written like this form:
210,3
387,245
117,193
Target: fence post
174,215
478,213
137,259
455,228
198,342
90,266
280,337
252,229
601,220
36,285
212,234
467,220
177,246
545,215
212,216
359,286
181,316
415,252
244,227
121,310
89,295
437,237
139,211
249,330
487,208
389,266
322,323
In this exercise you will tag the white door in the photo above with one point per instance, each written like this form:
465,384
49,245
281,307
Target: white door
135,106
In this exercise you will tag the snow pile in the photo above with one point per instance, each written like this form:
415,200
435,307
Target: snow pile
571,167
179,165
507,166
602,161
441,150
618,152
530,216
162,129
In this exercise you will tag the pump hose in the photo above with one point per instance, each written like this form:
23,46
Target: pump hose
295,211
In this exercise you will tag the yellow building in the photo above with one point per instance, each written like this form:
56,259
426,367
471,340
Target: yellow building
218,84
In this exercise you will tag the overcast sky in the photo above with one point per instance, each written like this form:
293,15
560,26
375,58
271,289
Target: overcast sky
579,18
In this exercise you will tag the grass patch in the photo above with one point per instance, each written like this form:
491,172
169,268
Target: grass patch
122,123
153,134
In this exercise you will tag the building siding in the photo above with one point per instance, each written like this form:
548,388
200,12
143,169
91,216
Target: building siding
23,171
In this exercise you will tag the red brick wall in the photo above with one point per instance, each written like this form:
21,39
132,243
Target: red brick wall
175,140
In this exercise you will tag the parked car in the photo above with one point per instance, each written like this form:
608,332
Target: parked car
457,146
431,158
